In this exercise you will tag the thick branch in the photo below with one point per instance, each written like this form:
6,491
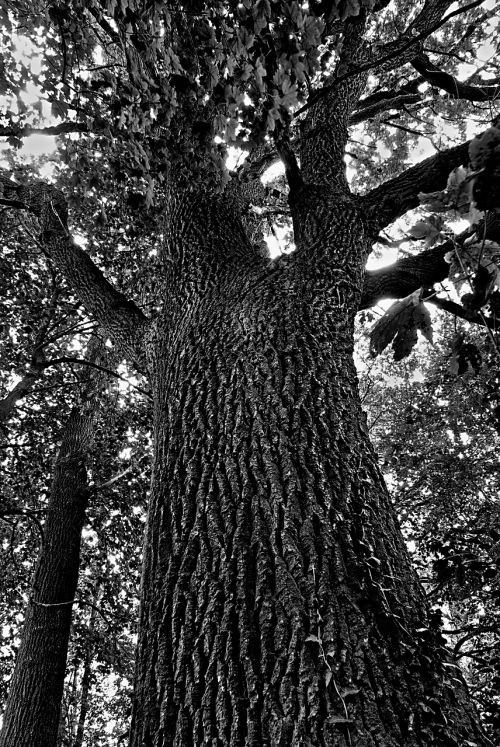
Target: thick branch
410,274
406,276
292,170
375,98
119,317
325,129
425,270
395,197
452,85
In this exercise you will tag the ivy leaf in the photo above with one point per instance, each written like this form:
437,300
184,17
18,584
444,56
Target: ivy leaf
400,324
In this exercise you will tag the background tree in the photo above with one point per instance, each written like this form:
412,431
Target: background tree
278,601
55,392
436,428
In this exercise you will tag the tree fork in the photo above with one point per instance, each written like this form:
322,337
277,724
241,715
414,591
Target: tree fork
279,603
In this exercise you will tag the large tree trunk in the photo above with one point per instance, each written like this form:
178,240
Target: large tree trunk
33,708
279,603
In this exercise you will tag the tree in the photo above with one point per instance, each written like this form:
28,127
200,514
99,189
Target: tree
56,391
445,487
33,708
278,604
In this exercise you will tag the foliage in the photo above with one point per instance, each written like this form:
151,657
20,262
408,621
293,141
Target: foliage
437,430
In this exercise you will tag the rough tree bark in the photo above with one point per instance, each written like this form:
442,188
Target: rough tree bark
279,606
32,714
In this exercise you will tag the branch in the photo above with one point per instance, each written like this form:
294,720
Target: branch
292,170
474,317
377,96
396,102
401,50
60,129
396,196
83,362
114,479
324,132
406,276
105,25
452,85
264,156
118,316
424,270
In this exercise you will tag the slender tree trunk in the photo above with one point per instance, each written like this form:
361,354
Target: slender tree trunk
279,606
33,708
86,680
67,719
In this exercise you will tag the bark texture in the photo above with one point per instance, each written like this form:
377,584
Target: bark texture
33,708
279,604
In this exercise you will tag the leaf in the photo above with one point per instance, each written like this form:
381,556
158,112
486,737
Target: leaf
459,189
15,141
400,324
385,328
429,229
422,319
465,357
59,109
456,178
483,284
260,73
